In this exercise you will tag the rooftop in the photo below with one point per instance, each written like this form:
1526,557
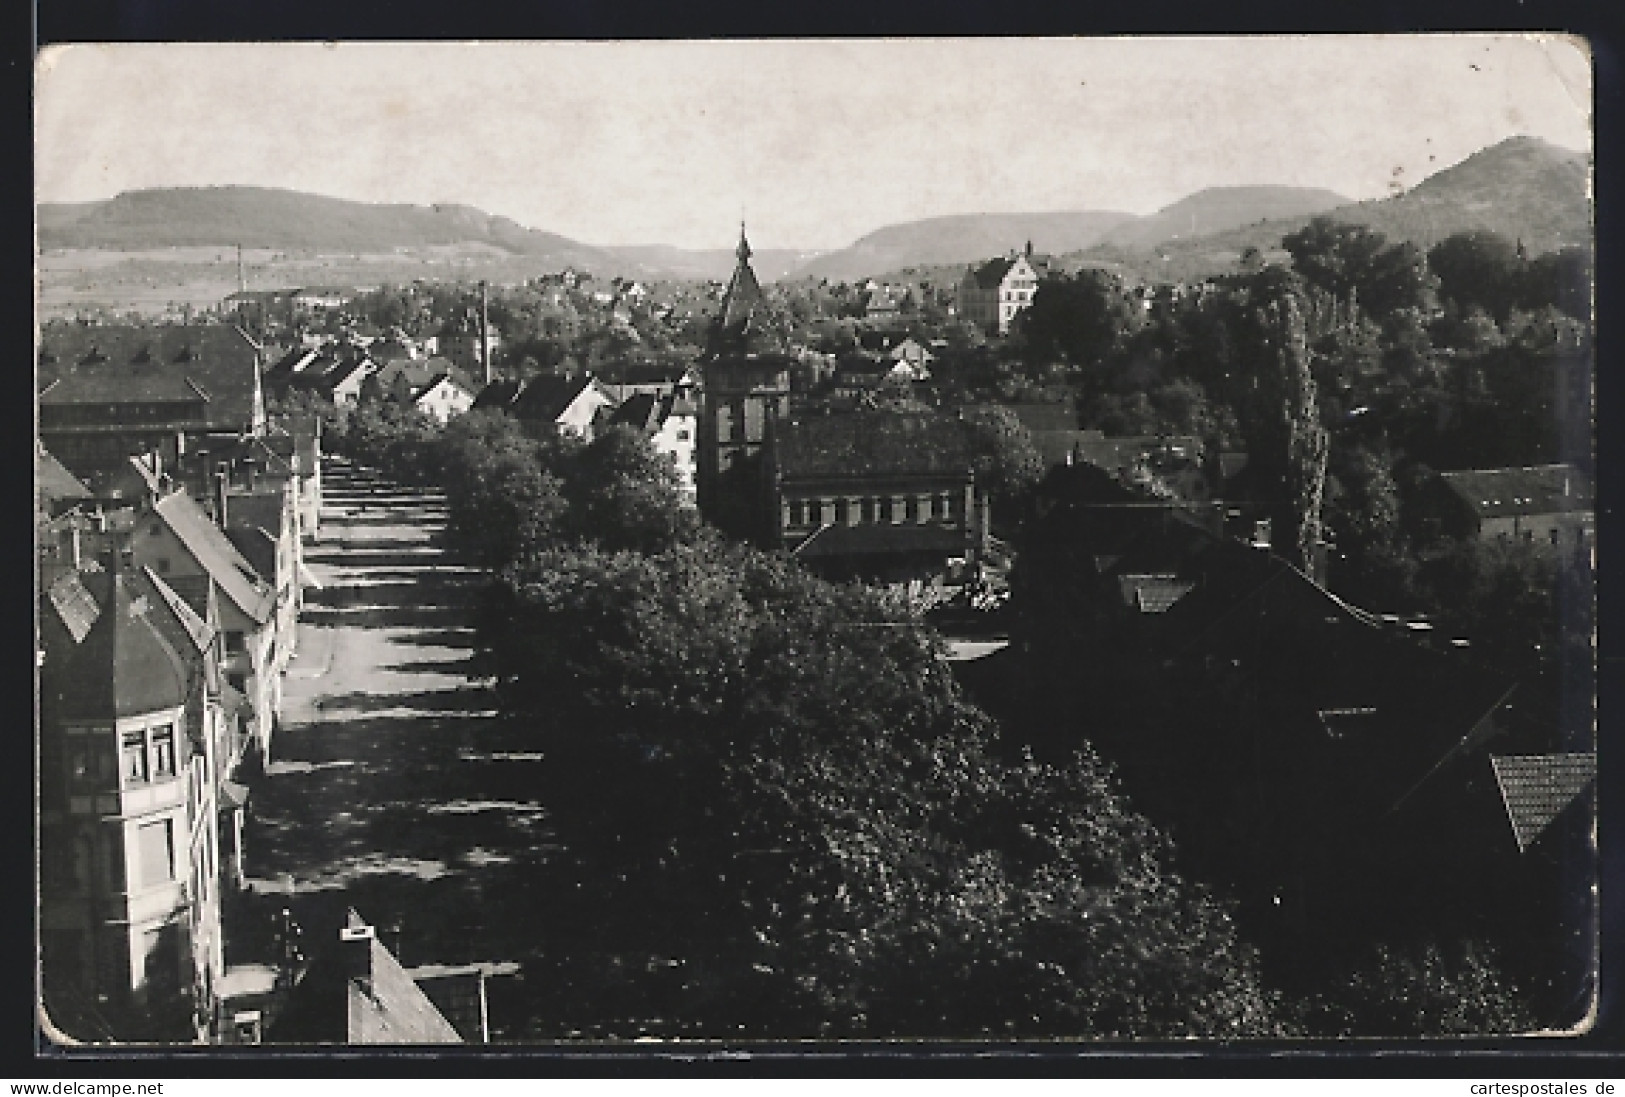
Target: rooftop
1540,489
873,442
212,365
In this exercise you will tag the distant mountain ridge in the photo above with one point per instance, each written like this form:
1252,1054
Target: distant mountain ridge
960,238
1217,209
1524,188
264,217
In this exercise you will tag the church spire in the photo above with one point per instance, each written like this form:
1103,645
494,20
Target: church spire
743,250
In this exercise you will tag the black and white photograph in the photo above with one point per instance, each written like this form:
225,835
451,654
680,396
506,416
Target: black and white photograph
1014,542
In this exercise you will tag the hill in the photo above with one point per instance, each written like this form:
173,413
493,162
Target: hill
1217,209
959,239
285,220
1523,188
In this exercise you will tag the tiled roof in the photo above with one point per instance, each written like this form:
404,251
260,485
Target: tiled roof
215,553
990,274
641,411
73,604
1153,593
195,628
873,443
337,1002
1537,788
545,398
123,666
498,395
1542,489
1036,417
53,483
744,326
214,364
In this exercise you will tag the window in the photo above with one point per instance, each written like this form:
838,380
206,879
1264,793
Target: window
135,757
157,844
162,564
234,642
87,760
163,751
235,679
682,435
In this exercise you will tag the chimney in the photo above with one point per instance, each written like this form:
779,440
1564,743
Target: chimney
355,954
221,490
485,333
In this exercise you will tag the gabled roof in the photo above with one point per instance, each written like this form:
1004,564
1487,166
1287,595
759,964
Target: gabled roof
215,553
498,395
1541,489
53,483
213,366
546,398
1537,788
873,443
195,628
641,410
356,992
122,665
991,273
73,605
257,545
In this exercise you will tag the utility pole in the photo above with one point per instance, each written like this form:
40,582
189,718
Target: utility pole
485,333
242,274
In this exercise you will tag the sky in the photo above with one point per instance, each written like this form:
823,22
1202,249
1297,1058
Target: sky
814,142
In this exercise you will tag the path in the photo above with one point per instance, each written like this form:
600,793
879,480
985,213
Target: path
393,786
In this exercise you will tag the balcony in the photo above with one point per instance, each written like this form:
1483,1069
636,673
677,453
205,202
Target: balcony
135,800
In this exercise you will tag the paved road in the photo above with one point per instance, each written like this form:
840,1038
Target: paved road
393,786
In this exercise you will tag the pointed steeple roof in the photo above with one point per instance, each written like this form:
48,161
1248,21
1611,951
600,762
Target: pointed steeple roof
743,326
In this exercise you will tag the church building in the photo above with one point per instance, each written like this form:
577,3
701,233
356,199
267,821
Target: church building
745,371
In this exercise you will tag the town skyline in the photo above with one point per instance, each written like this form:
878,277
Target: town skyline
813,143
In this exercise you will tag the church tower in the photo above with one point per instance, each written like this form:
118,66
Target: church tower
745,384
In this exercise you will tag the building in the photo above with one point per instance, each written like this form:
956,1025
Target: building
992,294
130,938
573,405
110,393
336,371
354,991
184,546
877,493
670,422
1549,505
443,398
745,370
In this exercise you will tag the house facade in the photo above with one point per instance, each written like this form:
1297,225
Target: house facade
112,392
183,545
991,295
879,494
1550,506
130,937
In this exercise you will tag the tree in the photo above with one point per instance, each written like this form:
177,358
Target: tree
1008,465
1355,262
801,814
1079,319
1285,438
624,495
1424,991
1477,269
